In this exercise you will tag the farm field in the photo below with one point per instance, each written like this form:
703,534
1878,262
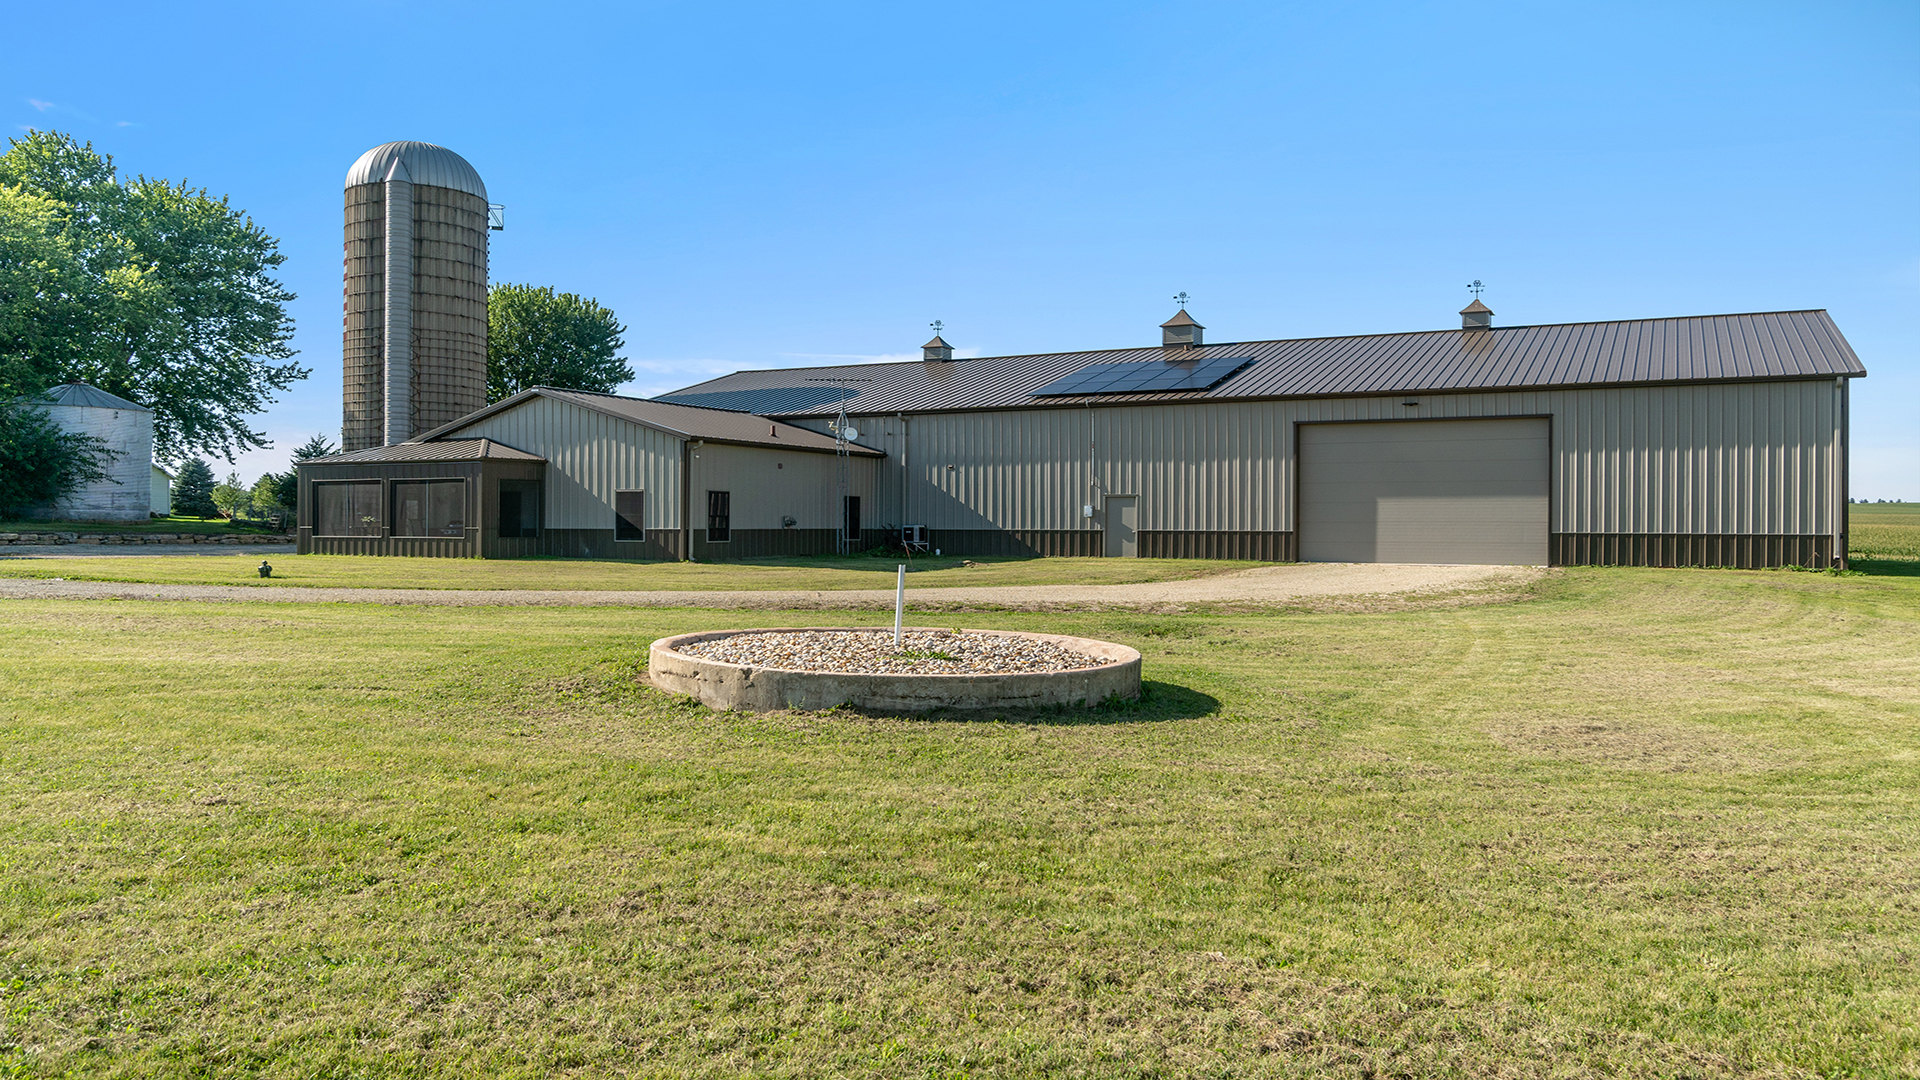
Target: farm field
817,572
1885,532
1638,823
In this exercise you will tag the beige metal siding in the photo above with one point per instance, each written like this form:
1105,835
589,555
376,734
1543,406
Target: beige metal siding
590,455
767,485
1426,491
1729,458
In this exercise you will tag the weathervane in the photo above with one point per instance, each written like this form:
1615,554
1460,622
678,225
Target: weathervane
937,327
1476,288
1183,298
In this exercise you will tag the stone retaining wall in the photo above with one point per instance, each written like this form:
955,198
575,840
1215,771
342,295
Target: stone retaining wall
7,539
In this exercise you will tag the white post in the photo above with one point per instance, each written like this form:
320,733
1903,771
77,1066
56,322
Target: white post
899,602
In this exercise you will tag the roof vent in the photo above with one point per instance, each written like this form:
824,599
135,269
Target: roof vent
1476,316
1180,332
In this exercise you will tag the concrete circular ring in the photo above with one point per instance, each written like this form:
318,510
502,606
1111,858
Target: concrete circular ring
722,685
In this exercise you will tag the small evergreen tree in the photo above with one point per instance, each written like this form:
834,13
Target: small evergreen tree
232,497
193,491
316,447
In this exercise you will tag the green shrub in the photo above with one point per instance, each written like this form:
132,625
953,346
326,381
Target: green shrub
40,463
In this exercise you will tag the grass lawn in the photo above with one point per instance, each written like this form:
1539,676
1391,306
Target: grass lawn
1642,823
204,527
818,572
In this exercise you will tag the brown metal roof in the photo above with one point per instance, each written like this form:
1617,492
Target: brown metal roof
448,450
1703,348
681,420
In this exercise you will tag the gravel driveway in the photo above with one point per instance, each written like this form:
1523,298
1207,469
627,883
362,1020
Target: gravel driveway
1260,587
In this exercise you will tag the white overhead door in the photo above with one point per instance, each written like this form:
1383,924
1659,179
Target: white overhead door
1424,491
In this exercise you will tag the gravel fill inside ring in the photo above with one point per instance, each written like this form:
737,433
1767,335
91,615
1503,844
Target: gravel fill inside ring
921,652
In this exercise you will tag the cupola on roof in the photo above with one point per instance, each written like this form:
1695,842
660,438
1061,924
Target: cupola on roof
420,163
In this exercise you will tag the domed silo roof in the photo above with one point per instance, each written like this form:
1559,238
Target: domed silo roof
79,395
420,163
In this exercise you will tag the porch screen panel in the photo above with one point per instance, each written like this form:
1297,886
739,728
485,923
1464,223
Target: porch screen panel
347,509
430,508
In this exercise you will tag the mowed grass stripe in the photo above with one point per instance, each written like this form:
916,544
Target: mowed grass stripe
1642,823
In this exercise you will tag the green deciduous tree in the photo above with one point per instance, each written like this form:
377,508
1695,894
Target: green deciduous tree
267,493
41,291
40,463
538,338
193,490
148,289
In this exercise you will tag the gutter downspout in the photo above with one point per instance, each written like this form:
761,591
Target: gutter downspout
1091,481
906,518
1843,526
686,500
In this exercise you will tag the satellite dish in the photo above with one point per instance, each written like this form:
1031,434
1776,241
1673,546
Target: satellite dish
851,432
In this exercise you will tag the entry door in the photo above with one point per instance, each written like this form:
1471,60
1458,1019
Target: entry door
1122,524
1425,491
852,538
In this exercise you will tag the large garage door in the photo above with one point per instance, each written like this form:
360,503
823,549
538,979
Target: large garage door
1424,491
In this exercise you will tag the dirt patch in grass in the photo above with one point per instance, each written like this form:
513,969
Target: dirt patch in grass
1634,744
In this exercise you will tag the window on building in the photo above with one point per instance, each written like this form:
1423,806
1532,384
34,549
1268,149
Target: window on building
629,515
346,509
430,508
719,516
519,508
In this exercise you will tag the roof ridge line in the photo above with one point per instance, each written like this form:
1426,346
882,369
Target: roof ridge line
1225,344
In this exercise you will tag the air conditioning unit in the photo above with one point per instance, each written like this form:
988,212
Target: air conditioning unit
913,537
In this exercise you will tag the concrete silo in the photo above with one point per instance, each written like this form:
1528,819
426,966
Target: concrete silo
414,348
127,430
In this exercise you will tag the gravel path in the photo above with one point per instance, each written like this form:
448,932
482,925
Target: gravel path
921,652
1259,587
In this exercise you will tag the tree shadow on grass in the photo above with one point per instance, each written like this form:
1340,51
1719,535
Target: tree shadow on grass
1158,701
1884,567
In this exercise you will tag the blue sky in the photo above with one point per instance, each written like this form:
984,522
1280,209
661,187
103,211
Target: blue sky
766,186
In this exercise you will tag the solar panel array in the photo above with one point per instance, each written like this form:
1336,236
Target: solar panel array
1152,375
